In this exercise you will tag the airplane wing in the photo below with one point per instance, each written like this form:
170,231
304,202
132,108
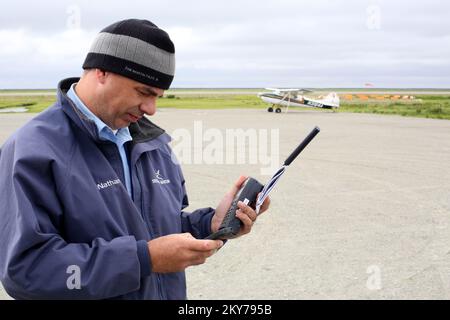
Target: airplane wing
301,90
281,89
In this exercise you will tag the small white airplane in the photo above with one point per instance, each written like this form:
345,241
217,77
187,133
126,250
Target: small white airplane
295,98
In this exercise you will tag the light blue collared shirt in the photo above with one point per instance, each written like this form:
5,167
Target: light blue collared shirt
106,133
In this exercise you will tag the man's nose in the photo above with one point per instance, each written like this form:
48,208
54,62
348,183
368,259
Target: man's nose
148,106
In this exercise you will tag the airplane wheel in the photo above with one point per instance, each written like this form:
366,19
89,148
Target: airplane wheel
270,109
278,110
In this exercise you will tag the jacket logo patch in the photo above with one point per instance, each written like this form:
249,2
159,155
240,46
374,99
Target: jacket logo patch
159,178
107,184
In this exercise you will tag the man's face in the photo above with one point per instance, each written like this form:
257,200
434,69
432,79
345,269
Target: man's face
121,101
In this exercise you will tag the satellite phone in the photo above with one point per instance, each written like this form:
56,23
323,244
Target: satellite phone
248,193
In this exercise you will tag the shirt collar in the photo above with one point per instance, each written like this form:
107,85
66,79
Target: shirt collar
104,131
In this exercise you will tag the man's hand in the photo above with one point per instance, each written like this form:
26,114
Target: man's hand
176,252
245,213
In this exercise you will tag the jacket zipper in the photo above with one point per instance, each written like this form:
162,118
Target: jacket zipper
158,277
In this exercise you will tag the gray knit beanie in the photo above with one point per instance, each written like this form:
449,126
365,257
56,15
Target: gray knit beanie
136,49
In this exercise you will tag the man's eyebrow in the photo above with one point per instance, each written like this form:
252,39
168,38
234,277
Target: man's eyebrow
149,91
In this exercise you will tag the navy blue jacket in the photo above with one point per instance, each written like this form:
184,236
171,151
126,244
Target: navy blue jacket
63,203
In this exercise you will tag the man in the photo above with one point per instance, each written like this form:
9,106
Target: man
91,201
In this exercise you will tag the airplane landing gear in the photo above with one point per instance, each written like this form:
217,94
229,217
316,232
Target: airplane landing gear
278,110
270,109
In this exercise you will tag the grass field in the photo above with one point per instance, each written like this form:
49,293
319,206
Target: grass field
34,104
425,106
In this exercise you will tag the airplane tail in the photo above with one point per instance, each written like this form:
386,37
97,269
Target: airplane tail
332,99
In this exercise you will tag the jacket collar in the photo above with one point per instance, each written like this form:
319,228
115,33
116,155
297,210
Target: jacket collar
142,131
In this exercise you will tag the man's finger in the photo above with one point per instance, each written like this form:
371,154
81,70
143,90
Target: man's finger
188,235
248,223
265,205
205,245
247,210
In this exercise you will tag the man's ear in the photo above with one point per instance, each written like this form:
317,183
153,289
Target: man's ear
101,75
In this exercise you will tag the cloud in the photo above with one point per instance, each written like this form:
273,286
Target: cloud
245,43
31,60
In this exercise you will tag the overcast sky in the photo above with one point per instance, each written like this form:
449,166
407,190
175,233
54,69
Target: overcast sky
241,43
